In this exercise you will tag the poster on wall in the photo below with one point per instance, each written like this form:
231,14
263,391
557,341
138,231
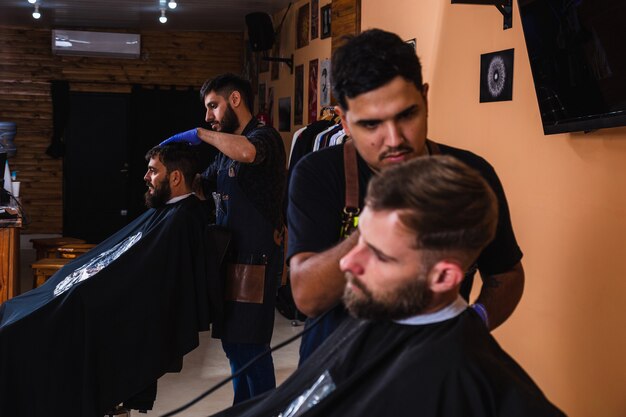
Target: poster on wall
302,27
275,73
250,67
270,105
298,101
315,19
284,114
313,90
264,65
325,21
262,98
496,76
325,83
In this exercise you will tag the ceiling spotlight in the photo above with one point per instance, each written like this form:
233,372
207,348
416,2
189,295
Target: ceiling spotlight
32,1
163,18
36,14
172,4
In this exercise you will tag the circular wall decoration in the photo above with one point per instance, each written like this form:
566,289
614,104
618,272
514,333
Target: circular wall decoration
496,76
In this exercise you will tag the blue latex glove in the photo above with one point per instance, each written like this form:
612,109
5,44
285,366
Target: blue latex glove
190,136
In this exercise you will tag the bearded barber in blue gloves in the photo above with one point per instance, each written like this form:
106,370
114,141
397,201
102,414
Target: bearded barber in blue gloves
246,181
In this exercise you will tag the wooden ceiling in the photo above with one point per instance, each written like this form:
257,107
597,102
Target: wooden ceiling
205,15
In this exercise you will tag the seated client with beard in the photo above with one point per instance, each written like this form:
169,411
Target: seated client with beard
107,325
412,346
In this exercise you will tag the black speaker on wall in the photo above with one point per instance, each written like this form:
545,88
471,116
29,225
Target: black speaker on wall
260,31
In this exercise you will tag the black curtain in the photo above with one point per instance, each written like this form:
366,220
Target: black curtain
156,114
60,94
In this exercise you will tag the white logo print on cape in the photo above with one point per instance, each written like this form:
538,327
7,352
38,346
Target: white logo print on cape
96,264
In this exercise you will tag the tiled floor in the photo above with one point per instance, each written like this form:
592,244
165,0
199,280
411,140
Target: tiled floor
202,368
207,366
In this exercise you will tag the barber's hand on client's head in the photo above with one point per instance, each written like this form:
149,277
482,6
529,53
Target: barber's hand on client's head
190,137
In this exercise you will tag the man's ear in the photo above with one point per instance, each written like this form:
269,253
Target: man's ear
235,99
176,178
445,276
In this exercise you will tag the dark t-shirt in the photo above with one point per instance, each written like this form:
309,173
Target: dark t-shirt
317,198
263,180
316,201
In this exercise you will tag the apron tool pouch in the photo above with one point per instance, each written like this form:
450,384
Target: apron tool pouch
245,283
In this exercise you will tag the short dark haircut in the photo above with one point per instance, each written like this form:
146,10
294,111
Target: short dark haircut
177,156
448,205
225,84
370,60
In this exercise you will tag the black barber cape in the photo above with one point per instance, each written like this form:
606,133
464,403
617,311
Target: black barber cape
112,321
454,368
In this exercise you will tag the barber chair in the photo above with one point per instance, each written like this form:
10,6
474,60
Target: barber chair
74,250
47,247
44,268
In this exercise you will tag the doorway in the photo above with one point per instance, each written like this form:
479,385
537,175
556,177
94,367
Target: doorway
95,166
107,137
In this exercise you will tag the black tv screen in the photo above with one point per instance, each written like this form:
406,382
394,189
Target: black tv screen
577,53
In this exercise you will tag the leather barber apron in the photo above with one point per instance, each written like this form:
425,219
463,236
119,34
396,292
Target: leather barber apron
253,263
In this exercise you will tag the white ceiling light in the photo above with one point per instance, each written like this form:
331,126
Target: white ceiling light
32,1
163,18
36,14
172,4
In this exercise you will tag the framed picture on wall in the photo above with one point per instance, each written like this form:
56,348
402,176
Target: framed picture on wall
270,105
284,114
315,18
262,98
298,100
264,65
496,76
302,27
313,65
250,67
325,12
275,73
325,83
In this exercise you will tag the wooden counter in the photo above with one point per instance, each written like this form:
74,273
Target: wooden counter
9,259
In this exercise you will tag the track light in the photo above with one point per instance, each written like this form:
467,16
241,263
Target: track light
36,14
163,18
172,4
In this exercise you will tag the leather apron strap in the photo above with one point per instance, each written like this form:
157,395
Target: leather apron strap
433,147
351,210
350,170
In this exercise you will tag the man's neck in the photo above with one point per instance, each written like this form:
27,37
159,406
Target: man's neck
175,198
448,312
244,119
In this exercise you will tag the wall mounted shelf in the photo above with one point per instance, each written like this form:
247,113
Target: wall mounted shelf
504,6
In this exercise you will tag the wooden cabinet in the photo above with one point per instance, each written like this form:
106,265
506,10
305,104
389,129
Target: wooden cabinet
9,261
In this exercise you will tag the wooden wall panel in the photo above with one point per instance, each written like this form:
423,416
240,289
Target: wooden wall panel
345,20
27,66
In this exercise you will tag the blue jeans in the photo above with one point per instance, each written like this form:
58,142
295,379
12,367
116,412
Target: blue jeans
258,378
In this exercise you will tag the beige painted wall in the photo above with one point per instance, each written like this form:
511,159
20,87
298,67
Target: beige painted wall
567,200
284,86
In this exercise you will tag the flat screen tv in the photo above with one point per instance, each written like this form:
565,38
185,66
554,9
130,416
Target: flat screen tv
577,53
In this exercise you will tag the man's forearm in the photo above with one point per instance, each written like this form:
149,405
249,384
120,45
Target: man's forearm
317,282
235,147
501,293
